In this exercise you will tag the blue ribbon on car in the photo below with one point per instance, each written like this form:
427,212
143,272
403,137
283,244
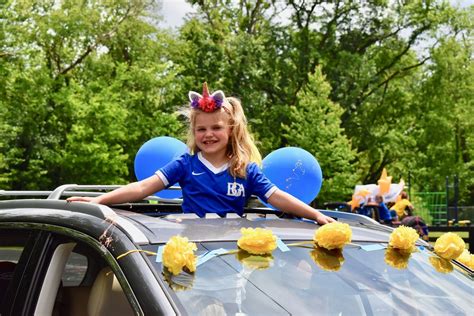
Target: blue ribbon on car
216,252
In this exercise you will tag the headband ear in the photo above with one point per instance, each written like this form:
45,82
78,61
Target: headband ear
205,102
218,96
194,96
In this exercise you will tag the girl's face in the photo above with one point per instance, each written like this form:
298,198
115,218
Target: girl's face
212,132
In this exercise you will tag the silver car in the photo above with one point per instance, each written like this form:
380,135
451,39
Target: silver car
59,258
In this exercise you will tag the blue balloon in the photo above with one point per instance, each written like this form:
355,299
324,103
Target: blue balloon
153,155
295,171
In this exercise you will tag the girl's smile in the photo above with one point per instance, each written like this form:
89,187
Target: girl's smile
212,134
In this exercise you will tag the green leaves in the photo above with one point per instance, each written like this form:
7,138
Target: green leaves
84,92
362,86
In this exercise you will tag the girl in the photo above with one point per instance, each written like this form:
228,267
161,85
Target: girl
221,172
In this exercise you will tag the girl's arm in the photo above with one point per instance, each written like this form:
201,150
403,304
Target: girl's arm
131,192
289,204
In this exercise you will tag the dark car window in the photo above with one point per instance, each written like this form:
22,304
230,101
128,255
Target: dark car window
12,244
302,282
75,270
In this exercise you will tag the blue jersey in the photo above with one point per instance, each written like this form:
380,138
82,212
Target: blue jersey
207,189
384,212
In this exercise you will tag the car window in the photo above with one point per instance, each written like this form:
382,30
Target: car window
303,280
75,270
87,285
12,244
73,279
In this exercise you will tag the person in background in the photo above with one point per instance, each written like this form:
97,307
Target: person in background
417,223
220,173
367,208
403,207
384,212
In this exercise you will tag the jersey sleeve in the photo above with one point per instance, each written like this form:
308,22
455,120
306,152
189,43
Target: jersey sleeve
174,171
261,185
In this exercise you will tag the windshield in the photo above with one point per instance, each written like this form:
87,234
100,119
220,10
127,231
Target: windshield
359,281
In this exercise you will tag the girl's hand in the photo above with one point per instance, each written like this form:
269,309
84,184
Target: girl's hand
323,219
80,199
288,203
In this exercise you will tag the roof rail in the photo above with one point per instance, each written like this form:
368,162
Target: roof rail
87,190
85,208
97,210
95,190
58,192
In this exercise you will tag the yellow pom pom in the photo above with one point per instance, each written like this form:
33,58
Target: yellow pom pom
257,241
178,253
467,259
333,235
329,260
403,238
449,246
255,262
396,258
441,265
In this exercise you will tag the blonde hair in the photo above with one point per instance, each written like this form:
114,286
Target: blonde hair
241,148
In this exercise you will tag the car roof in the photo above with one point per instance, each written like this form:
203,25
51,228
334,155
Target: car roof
214,228
145,229
155,223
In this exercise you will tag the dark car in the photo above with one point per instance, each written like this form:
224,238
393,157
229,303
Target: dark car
60,258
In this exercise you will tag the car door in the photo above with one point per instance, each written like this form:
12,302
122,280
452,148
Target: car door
51,273
22,253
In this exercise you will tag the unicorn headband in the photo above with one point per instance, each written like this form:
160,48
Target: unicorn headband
205,102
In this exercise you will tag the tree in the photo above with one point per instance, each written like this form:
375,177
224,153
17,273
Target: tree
315,126
89,82
445,128
84,90
372,54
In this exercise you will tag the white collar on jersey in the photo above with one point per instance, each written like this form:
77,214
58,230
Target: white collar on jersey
210,166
